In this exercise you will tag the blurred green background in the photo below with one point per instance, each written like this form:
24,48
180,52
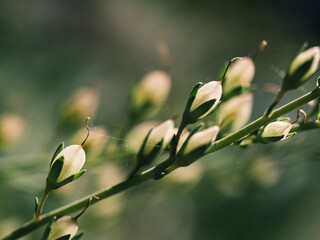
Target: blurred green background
50,49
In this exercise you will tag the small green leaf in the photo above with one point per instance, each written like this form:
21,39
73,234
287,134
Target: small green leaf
290,135
66,237
36,205
55,171
59,149
284,120
193,95
78,236
271,139
70,179
318,112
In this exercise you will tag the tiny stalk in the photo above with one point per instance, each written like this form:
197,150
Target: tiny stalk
229,64
88,134
298,116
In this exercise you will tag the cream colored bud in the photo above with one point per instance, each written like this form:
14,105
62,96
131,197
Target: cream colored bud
240,74
153,89
183,137
95,142
303,66
236,111
311,53
163,131
277,129
12,128
83,103
74,159
63,226
135,137
200,139
209,91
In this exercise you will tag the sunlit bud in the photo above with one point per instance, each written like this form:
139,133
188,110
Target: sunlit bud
236,112
96,141
151,93
202,101
302,67
135,137
196,144
74,159
240,74
163,132
156,141
277,130
82,103
183,137
12,128
64,226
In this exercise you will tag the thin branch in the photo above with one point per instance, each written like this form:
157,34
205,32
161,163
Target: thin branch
136,180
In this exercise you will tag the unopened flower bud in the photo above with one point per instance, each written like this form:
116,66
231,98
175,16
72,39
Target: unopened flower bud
156,141
135,137
236,112
196,145
84,102
12,128
74,159
151,93
64,226
302,67
239,75
275,131
202,101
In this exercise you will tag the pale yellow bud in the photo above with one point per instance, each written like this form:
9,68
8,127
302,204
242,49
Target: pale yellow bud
63,226
236,111
310,54
74,159
277,129
209,91
240,74
200,139
83,103
12,128
135,137
163,131
152,90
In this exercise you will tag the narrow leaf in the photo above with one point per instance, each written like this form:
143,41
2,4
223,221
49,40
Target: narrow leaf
71,178
66,237
58,150
78,236
55,171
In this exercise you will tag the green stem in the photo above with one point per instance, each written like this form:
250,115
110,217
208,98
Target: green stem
255,125
136,180
43,198
275,102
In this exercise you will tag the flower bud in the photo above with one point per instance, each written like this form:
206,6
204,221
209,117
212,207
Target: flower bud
196,144
275,131
302,67
137,134
239,75
236,112
202,101
12,128
74,159
84,102
156,141
151,93
64,226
